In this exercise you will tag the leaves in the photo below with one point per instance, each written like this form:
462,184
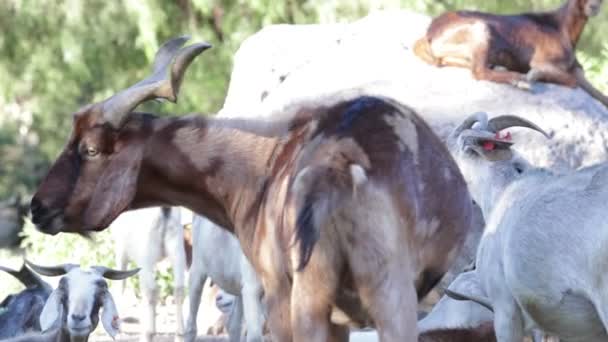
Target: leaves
58,55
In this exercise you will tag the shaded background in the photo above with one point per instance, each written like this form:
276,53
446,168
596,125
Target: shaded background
57,55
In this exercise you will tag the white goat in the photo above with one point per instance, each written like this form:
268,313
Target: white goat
147,236
71,312
217,254
542,260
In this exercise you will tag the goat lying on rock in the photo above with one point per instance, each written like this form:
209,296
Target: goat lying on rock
71,312
19,312
531,46
349,194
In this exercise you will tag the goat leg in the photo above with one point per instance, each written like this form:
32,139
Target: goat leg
588,87
482,71
550,73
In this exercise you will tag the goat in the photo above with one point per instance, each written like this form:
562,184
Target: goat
147,236
531,46
349,195
218,255
541,258
20,311
451,313
71,313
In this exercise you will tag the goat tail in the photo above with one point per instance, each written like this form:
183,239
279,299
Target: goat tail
319,191
588,87
422,49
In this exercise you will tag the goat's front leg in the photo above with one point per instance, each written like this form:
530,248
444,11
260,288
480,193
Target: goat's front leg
234,323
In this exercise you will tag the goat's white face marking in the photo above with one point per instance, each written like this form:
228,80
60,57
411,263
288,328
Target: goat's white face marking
82,293
407,133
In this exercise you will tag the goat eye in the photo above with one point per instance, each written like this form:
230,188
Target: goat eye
91,151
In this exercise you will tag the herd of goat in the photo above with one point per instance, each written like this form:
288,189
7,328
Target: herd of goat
337,214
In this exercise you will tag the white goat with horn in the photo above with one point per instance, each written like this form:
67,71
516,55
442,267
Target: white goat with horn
71,312
541,262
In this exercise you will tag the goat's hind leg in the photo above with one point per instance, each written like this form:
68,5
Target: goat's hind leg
150,297
552,74
196,283
390,297
483,71
312,296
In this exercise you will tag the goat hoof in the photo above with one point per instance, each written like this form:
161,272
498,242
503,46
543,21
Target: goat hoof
524,85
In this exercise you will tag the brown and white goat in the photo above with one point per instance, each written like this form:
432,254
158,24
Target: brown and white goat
531,46
356,197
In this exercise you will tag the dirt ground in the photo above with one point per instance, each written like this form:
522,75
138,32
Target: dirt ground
165,325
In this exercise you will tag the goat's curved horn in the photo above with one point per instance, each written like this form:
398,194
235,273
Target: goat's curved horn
499,123
28,278
170,64
51,271
477,299
472,119
112,274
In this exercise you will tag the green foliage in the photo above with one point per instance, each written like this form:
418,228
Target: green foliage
58,55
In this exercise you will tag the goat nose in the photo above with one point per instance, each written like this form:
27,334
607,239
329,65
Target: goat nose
78,318
36,207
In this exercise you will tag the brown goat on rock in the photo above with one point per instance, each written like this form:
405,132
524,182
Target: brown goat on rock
531,46
358,196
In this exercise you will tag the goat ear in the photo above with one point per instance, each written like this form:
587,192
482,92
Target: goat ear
109,316
116,187
52,312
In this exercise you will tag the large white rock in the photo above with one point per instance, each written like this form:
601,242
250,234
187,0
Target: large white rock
283,64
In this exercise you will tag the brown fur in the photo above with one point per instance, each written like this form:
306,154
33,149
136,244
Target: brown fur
482,333
531,46
366,191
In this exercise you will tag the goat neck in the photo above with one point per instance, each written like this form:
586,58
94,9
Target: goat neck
224,162
572,21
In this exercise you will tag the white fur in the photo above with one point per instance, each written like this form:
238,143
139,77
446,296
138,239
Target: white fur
217,254
146,237
81,291
542,259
